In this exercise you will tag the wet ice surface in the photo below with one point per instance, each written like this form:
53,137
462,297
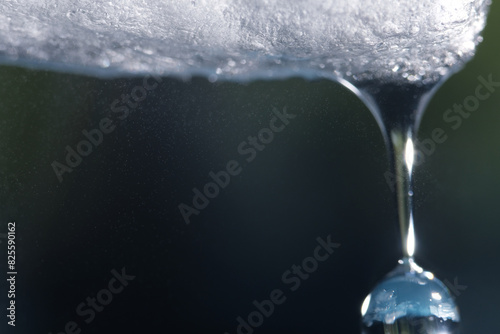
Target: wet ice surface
243,40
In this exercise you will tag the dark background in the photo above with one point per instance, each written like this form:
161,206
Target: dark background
323,175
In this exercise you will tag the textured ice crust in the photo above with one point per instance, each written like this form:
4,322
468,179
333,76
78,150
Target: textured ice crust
243,40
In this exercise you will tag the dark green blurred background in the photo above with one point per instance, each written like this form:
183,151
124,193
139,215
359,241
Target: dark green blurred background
324,174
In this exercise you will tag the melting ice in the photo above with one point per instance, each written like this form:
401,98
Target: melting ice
243,40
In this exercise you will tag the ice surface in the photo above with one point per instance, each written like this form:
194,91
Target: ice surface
241,39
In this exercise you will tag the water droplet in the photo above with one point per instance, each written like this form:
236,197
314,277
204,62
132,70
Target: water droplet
420,301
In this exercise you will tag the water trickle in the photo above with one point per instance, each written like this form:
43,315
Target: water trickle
392,53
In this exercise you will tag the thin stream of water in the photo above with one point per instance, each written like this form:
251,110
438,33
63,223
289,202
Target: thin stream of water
392,54
409,300
398,110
